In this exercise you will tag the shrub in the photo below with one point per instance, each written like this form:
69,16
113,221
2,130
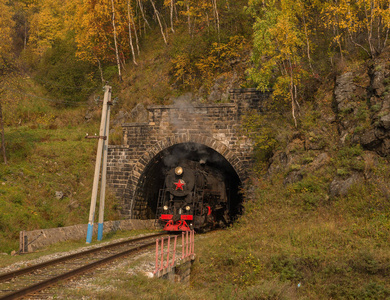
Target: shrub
67,79
261,133
349,158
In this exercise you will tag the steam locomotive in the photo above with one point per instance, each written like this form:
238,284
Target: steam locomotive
194,196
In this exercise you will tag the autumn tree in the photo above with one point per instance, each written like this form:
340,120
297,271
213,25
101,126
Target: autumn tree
23,9
6,25
364,23
102,32
49,23
115,40
131,27
278,41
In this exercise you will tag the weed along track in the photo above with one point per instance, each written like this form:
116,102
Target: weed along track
32,279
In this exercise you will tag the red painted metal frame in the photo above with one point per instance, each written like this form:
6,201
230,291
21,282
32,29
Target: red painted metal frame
188,248
187,243
209,210
180,225
166,217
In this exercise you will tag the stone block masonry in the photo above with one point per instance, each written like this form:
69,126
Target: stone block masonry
216,126
181,272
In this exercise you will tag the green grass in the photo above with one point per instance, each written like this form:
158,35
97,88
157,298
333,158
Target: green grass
46,153
42,162
277,250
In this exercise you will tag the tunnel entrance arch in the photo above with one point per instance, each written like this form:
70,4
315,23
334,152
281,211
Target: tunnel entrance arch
153,177
147,177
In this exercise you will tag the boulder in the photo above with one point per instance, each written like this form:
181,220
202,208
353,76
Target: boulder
277,163
341,187
321,160
377,78
385,122
344,91
59,195
369,140
293,177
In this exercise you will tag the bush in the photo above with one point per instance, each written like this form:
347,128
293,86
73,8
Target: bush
349,158
262,134
66,78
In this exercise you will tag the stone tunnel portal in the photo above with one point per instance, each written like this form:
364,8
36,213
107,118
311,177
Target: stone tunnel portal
152,178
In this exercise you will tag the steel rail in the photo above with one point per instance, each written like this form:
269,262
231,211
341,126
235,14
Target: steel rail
33,268
46,283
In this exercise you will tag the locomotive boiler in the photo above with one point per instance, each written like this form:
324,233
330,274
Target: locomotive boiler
194,196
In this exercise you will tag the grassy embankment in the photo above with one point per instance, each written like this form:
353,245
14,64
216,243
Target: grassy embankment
293,242
46,152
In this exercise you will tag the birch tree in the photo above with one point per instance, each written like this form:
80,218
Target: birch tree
129,14
157,14
96,33
277,60
115,41
6,25
216,15
355,19
48,23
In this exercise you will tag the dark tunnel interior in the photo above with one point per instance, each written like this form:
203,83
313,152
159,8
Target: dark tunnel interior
152,179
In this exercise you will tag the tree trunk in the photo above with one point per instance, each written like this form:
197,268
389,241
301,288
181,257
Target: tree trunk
159,21
100,70
188,19
142,12
135,33
294,102
130,35
216,14
2,134
307,43
172,4
116,44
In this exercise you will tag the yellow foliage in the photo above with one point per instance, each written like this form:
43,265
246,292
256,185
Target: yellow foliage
6,24
218,57
52,20
349,19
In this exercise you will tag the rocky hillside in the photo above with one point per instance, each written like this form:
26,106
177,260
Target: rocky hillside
347,130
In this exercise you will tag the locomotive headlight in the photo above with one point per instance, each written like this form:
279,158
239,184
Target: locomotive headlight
179,171
165,207
188,208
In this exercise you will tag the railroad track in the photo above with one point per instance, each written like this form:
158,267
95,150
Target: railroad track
22,282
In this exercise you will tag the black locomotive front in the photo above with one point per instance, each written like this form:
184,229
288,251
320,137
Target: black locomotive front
194,197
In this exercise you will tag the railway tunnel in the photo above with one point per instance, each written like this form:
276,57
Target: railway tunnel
153,176
135,170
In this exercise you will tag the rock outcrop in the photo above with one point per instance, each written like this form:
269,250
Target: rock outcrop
360,119
362,106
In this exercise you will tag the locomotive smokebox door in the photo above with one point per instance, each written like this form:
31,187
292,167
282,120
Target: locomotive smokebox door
180,182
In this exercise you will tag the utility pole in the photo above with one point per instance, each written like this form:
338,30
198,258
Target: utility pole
104,173
102,147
